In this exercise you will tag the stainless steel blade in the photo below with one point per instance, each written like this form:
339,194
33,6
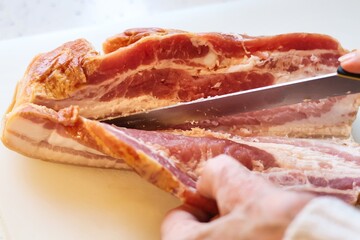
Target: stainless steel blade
246,101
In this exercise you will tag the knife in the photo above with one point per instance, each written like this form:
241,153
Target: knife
309,89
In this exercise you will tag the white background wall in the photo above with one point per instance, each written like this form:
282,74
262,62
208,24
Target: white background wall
27,17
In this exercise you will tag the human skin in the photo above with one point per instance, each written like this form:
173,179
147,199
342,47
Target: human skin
249,206
351,61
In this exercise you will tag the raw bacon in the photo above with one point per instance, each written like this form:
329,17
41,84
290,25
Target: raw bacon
66,92
317,119
149,68
40,132
329,167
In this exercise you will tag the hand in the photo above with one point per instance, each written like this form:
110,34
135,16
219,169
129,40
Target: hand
249,206
351,61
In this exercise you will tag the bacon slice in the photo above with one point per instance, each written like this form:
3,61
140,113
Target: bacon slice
317,119
64,93
330,167
40,132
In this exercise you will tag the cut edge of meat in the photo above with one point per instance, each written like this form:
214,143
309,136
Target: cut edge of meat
42,141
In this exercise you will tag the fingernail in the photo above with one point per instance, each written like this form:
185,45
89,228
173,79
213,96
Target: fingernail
347,56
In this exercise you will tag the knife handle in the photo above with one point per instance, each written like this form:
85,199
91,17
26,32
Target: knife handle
346,74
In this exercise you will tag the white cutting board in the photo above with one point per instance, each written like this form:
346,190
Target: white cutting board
41,200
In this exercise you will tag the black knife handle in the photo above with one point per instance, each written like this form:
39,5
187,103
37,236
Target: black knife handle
347,74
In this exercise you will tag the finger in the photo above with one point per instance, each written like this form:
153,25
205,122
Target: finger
208,206
182,223
230,183
351,61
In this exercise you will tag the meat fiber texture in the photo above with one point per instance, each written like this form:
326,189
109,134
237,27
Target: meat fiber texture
62,98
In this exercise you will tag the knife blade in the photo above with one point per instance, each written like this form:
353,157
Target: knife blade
309,89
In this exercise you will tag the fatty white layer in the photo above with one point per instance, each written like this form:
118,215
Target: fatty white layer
289,156
36,141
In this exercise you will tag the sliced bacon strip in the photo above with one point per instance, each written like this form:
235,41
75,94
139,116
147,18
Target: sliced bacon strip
337,161
39,132
317,119
160,157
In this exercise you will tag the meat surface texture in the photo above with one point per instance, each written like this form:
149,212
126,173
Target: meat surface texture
60,102
149,68
324,166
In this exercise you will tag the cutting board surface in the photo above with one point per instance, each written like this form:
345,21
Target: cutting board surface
42,200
